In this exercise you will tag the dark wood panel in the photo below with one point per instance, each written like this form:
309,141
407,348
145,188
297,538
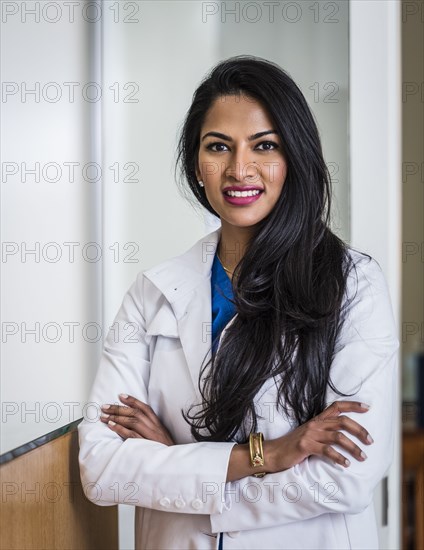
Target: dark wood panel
413,489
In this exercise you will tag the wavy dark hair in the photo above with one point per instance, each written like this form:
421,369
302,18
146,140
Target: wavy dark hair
290,284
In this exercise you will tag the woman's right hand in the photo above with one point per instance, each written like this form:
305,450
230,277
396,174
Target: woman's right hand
316,437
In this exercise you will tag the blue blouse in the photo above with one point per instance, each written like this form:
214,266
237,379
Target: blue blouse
222,311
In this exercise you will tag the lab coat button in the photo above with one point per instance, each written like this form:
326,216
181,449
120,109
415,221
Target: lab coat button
179,503
197,504
233,534
165,502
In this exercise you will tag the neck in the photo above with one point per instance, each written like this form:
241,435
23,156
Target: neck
232,245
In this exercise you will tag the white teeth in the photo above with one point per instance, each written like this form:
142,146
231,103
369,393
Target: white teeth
251,193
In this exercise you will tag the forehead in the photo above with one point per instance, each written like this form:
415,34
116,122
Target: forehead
237,111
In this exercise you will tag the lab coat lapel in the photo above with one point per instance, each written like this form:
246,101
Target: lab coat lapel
194,329
185,283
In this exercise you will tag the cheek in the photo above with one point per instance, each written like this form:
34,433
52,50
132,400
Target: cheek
207,159
282,175
215,199
275,172
202,162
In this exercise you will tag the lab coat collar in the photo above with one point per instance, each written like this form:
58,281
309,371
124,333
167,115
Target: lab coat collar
178,277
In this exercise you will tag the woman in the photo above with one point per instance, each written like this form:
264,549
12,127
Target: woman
261,363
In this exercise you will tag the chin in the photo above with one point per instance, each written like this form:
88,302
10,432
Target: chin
244,222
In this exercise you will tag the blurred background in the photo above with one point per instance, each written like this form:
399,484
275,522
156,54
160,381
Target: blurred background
93,96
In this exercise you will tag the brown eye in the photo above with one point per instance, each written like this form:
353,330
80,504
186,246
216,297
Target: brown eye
217,147
268,145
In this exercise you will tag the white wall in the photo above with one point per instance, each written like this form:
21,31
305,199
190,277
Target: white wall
46,292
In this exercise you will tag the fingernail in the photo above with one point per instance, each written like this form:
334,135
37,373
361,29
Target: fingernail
347,462
364,456
105,406
112,423
123,395
365,406
104,415
370,439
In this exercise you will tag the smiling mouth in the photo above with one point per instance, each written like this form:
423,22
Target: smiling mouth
250,193
239,197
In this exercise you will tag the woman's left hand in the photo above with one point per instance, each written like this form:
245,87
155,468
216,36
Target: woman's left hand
135,420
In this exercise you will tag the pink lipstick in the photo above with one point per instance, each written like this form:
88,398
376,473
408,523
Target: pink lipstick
241,195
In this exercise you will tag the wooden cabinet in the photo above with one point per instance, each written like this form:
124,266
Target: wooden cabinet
43,504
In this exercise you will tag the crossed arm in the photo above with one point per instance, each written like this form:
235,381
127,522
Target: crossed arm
135,419
311,454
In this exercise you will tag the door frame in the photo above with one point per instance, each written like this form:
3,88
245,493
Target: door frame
375,149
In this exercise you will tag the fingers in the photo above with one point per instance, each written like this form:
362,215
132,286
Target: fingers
118,410
132,426
343,423
355,429
137,404
131,408
331,453
324,447
325,431
333,415
134,409
128,426
135,417
339,407
340,439
124,432
126,421
139,423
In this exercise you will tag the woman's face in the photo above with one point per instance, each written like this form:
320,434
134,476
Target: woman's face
240,160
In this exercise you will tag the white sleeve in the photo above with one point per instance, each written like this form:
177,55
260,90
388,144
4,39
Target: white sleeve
138,471
365,363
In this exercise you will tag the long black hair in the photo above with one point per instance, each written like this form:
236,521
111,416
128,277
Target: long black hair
289,286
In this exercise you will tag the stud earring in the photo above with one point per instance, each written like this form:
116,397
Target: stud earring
201,183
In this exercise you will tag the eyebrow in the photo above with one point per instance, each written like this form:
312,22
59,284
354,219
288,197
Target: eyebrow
228,138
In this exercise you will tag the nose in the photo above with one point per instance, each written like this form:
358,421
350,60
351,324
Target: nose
241,168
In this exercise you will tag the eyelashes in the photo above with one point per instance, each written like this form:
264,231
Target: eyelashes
274,145
211,146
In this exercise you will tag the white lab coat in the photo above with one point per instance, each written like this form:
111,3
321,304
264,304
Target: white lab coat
160,335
